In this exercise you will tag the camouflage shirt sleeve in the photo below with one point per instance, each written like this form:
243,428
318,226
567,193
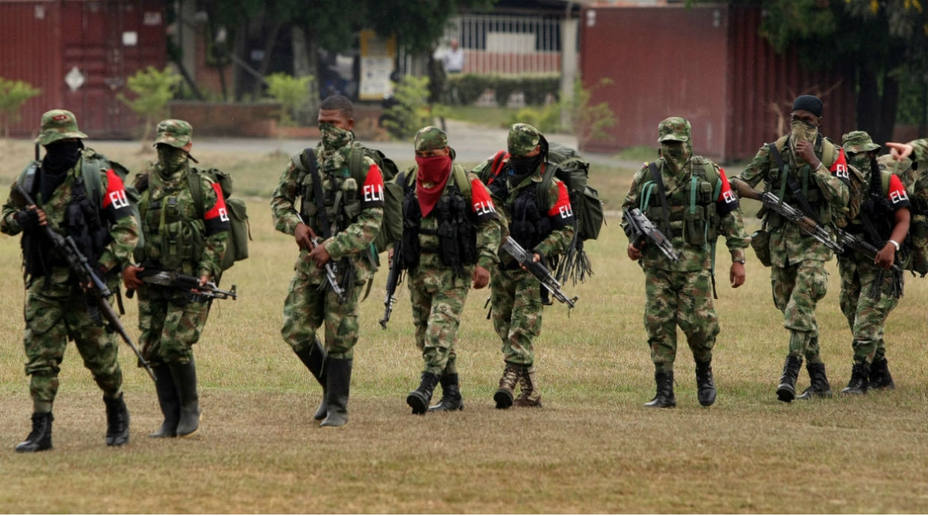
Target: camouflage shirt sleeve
283,201
359,235
919,151
8,224
489,224
562,220
832,179
631,198
731,222
756,171
124,231
217,223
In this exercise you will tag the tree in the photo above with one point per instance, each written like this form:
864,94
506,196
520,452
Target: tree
13,94
872,43
291,92
153,89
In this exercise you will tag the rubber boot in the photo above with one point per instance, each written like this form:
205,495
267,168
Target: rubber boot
664,398
168,400
860,379
507,384
185,379
40,438
820,388
338,383
420,398
451,395
879,375
786,390
314,360
705,385
530,396
117,421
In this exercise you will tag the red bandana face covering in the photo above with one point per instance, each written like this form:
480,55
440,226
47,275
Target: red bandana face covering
435,171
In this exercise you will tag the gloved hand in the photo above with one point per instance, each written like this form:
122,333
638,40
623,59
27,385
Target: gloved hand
28,220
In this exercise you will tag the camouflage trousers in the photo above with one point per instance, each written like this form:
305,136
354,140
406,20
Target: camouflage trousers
679,299
516,300
309,305
796,290
170,324
437,303
55,314
865,315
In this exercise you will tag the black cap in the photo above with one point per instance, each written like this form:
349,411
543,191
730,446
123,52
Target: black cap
809,103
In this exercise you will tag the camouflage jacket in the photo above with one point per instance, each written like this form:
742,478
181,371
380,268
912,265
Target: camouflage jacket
788,244
557,210
114,209
353,241
177,236
720,214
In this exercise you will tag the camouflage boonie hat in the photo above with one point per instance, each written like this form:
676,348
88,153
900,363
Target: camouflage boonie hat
674,129
175,133
431,138
857,142
58,124
523,139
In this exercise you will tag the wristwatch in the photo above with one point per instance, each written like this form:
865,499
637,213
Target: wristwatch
738,260
895,244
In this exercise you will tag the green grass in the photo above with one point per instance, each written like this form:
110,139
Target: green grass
488,116
592,448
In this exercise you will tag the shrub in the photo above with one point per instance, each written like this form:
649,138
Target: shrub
536,88
291,92
153,89
13,94
411,112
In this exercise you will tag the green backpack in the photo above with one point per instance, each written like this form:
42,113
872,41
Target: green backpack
95,186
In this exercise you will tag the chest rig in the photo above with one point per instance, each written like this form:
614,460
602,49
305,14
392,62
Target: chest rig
452,224
330,200
687,212
172,222
793,182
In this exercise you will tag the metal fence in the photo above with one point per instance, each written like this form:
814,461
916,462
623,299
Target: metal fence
507,44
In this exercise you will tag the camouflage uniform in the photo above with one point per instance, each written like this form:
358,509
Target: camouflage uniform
310,302
868,292
516,294
680,293
438,290
798,276
179,238
55,304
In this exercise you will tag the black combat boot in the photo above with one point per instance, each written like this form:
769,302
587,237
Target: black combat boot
786,391
168,400
450,395
420,398
40,438
879,375
185,379
338,383
117,421
860,379
530,395
819,388
705,385
314,360
507,384
664,397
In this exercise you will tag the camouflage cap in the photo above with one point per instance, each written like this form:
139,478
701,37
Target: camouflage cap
523,139
858,141
431,138
674,129
58,124
176,133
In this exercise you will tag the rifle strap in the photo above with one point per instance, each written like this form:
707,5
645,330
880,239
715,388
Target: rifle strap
662,192
312,166
797,191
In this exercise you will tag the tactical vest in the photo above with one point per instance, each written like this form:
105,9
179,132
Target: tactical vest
83,220
692,212
341,198
871,213
795,185
173,225
457,224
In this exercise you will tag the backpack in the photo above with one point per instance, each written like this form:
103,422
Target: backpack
391,228
239,227
574,172
915,182
94,185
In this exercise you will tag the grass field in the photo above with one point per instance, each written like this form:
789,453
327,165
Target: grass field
592,448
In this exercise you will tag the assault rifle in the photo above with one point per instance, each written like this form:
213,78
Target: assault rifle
537,269
180,281
394,278
797,217
853,242
87,277
638,227
331,273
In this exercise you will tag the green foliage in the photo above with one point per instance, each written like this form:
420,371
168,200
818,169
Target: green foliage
412,111
292,93
13,94
153,89
536,88
546,119
590,120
